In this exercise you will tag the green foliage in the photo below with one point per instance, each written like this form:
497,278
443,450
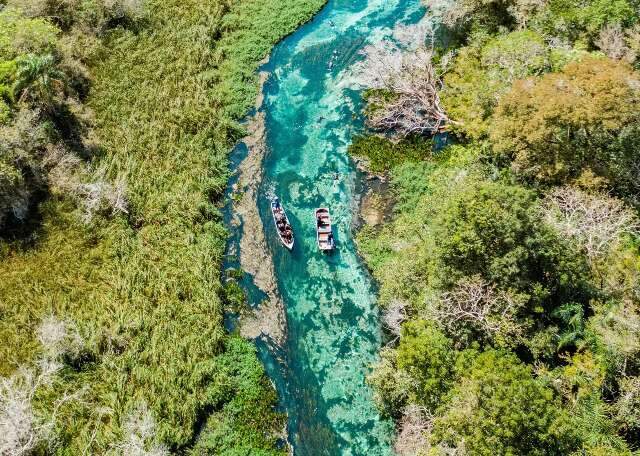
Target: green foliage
381,154
427,356
484,70
472,260
392,386
497,407
582,21
462,226
564,124
36,77
492,230
26,60
7,73
247,424
20,35
572,315
410,181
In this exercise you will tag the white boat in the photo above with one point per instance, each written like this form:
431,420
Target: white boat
324,233
281,222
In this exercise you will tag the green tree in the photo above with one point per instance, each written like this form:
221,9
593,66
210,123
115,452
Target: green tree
497,407
484,70
584,118
577,20
37,79
493,230
391,386
427,355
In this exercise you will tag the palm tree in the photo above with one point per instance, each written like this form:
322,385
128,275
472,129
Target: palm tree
37,78
572,315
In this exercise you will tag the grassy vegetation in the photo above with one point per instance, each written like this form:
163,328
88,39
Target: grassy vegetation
143,288
381,154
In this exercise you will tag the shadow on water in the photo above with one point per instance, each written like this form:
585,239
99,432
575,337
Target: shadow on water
312,112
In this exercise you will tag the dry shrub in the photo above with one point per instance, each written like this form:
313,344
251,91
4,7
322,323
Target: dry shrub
139,435
22,429
596,221
68,177
102,197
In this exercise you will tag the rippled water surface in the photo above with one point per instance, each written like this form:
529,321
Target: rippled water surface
312,114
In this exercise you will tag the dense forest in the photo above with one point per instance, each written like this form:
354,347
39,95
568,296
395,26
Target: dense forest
116,117
509,268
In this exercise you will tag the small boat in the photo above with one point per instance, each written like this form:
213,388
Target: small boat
281,221
324,233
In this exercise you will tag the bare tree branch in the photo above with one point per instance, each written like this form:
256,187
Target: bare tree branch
595,221
394,315
613,42
478,305
403,71
139,435
21,429
414,429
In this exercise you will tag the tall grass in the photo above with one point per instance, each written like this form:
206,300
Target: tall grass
144,289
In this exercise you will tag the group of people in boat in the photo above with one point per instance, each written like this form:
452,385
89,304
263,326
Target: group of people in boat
324,230
283,225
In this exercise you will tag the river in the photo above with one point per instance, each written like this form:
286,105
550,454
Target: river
310,114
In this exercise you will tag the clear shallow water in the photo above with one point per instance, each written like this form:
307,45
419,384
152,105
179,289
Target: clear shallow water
334,333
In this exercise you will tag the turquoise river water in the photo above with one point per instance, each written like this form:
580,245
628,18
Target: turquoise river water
334,333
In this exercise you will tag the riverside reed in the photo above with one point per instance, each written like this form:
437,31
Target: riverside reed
143,287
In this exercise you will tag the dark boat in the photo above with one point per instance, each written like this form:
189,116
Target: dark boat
324,233
281,222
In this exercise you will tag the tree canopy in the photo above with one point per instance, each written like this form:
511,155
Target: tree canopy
497,407
582,119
